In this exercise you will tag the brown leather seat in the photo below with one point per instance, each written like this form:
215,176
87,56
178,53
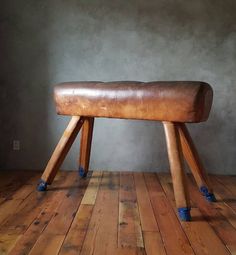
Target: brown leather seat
179,101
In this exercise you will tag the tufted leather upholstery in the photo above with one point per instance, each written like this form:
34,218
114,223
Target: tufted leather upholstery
177,101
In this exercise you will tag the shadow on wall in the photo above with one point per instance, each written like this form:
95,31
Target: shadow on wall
25,79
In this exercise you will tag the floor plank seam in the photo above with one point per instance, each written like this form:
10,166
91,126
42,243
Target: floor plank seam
139,216
54,214
176,215
154,215
175,212
148,195
163,242
75,216
82,245
208,220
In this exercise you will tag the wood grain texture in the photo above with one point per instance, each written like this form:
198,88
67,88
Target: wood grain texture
226,201
62,148
56,230
11,181
147,216
218,221
16,200
192,158
73,242
154,243
228,181
85,143
129,232
101,237
77,232
199,232
173,236
39,217
90,195
83,216
176,165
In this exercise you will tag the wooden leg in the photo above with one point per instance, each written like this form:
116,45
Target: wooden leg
177,171
60,151
85,146
194,162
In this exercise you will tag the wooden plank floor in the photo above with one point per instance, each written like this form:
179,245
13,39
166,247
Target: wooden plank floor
113,213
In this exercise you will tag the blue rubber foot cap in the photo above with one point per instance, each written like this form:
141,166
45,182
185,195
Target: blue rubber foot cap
209,196
82,173
42,186
184,213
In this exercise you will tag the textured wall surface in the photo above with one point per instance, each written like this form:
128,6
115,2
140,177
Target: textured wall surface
45,42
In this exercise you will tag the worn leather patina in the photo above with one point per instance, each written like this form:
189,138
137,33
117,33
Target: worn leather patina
177,101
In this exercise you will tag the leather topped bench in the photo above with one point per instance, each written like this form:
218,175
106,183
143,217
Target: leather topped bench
173,103
169,101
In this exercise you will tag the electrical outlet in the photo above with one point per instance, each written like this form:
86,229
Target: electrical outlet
16,145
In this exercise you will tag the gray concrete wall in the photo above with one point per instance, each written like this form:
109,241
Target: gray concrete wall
45,42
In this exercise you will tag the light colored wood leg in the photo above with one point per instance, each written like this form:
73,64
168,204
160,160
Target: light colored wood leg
85,146
177,171
194,162
61,151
